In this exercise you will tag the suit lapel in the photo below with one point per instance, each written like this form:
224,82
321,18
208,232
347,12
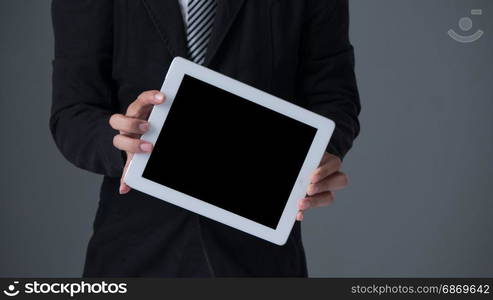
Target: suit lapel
166,16
227,10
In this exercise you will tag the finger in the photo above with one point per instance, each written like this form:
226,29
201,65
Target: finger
144,103
334,182
150,98
329,166
299,216
124,188
321,200
128,125
304,204
129,144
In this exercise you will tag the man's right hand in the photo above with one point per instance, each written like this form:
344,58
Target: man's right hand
131,126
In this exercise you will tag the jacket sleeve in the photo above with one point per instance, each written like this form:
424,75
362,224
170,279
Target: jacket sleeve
327,70
83,98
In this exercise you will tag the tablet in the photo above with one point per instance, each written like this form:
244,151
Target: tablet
229,152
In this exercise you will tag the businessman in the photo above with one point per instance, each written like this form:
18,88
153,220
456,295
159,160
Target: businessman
111,56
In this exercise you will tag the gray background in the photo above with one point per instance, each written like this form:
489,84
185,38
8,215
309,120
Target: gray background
419,203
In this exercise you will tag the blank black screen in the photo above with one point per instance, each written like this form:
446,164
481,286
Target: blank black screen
229,152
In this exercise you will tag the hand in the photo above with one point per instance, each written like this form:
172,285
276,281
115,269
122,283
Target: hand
323,182
131,126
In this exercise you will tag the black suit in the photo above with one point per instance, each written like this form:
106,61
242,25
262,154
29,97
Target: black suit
108,52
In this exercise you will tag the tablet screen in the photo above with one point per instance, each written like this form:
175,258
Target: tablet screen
230,152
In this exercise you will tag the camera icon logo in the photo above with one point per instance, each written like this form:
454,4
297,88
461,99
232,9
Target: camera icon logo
11,291
465,24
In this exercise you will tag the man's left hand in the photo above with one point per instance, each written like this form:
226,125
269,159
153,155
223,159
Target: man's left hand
326,179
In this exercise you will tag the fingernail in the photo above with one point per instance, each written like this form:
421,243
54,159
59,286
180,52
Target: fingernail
146,147
144,126
314,178
124,189
304,204
300,204
159,97
312,190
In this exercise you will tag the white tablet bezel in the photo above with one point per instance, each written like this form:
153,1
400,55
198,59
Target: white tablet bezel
179,67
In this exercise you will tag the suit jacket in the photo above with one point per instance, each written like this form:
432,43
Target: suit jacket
109,51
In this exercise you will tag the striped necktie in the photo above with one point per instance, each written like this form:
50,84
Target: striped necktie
200,22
